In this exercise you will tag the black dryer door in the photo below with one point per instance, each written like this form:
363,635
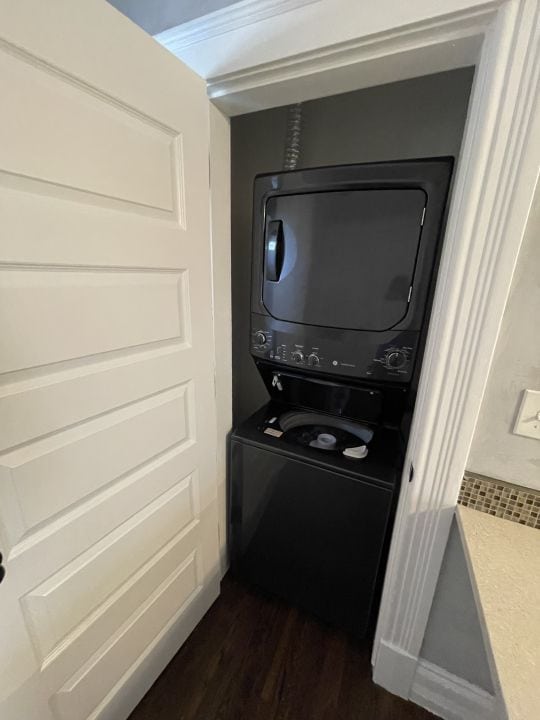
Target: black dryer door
342,259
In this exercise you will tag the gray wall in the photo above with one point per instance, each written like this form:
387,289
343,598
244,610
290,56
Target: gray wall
154,16
453,638
496,451
256,146
414,118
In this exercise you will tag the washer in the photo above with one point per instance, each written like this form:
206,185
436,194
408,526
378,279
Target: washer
309,525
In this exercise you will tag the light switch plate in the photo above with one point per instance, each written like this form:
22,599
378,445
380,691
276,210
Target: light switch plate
528,419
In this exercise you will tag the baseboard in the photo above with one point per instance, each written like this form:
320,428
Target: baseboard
394,669
451,697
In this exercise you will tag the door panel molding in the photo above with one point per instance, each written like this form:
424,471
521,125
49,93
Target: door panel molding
84,694
96,452
154,178
107,570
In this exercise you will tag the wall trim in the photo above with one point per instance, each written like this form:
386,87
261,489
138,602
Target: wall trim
451,697
225,20
470,23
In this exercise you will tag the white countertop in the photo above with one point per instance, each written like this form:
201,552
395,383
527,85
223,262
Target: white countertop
504,562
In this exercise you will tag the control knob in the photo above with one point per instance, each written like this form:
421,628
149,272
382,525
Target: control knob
297,356
395,360
313,360
259,337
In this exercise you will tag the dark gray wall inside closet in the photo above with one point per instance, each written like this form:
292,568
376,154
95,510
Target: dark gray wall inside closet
415,118
422,117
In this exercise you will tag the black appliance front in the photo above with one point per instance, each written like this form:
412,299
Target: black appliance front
343,259
312,527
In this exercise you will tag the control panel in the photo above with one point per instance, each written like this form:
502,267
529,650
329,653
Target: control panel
334,352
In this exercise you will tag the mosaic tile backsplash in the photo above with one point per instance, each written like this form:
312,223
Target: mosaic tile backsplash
510,502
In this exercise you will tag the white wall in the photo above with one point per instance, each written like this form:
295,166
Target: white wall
496,451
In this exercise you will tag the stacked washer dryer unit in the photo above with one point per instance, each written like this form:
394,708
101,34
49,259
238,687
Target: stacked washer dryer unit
343,271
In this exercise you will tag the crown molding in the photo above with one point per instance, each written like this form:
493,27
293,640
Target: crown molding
440,44
472,22
225,20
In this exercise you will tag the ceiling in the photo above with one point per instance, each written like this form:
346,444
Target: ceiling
154,16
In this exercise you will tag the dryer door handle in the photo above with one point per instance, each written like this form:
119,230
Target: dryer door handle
273,250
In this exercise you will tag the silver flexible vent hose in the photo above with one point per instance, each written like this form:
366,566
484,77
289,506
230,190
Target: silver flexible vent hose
292,142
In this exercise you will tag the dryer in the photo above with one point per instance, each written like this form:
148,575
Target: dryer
343,259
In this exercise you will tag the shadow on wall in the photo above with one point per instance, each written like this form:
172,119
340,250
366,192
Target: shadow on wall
423,117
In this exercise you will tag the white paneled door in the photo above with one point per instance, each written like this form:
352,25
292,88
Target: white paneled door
108,522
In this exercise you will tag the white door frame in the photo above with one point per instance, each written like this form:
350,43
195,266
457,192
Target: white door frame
494,186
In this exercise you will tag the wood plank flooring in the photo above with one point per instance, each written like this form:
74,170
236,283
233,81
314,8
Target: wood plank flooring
255,658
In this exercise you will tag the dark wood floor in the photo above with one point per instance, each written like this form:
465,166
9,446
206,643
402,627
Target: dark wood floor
255,658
